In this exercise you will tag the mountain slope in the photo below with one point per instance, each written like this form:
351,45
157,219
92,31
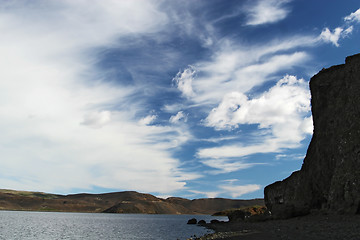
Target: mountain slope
117,202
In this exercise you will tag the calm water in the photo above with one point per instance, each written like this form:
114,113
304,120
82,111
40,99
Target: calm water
50,225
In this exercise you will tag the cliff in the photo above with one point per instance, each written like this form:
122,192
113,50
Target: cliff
329,179
117,202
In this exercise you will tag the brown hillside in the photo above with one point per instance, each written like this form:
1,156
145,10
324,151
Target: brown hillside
117,202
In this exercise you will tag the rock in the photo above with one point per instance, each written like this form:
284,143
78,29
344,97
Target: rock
329,179
214,221
238,215
192,221
202,222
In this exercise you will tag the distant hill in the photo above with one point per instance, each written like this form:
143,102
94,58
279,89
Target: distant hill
116,202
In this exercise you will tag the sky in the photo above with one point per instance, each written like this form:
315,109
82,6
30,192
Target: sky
185,98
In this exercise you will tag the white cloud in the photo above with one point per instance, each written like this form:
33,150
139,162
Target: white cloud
307,125
348,31
226,165
179,116
97,119
283,110
229,189
220,139
222,116
173,108
148,120
238,150
267,11
334,37
353,17
238,191
289,99
64,128
340,32
291,157
183,81
236,69
208,194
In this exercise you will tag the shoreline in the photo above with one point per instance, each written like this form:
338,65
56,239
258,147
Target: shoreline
315,226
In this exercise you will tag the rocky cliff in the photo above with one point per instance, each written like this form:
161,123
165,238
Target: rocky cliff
329,178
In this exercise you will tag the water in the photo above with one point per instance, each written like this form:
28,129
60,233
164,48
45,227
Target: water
53,225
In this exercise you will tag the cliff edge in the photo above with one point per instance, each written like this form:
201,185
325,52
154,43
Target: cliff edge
329,178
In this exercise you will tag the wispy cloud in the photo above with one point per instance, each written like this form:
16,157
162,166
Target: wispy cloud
148,120
340,32
267,11
225,165
220,139
183,81
234,71
229,188
234,68
208,194
179,116
236,150
290,157
63,126
353,17
237,191
334,36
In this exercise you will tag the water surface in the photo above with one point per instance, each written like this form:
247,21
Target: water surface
55,225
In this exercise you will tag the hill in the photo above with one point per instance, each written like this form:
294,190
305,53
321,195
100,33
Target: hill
116,202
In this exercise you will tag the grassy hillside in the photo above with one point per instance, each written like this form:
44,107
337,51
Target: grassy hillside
117,202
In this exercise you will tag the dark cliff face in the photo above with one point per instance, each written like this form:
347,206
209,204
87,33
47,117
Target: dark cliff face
329,178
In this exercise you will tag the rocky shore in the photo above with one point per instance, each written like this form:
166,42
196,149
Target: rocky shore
317,226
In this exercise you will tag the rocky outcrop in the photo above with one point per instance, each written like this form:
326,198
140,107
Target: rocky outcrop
213,205
202,222
329,178
192,221
256,213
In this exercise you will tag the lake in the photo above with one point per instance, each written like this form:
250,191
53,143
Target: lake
55,225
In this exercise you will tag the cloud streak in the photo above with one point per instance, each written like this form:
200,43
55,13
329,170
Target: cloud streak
235,191
179,116
353,17
234,68
238,191
266,12
64,127
224,165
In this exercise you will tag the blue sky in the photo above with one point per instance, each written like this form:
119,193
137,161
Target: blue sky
174,98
